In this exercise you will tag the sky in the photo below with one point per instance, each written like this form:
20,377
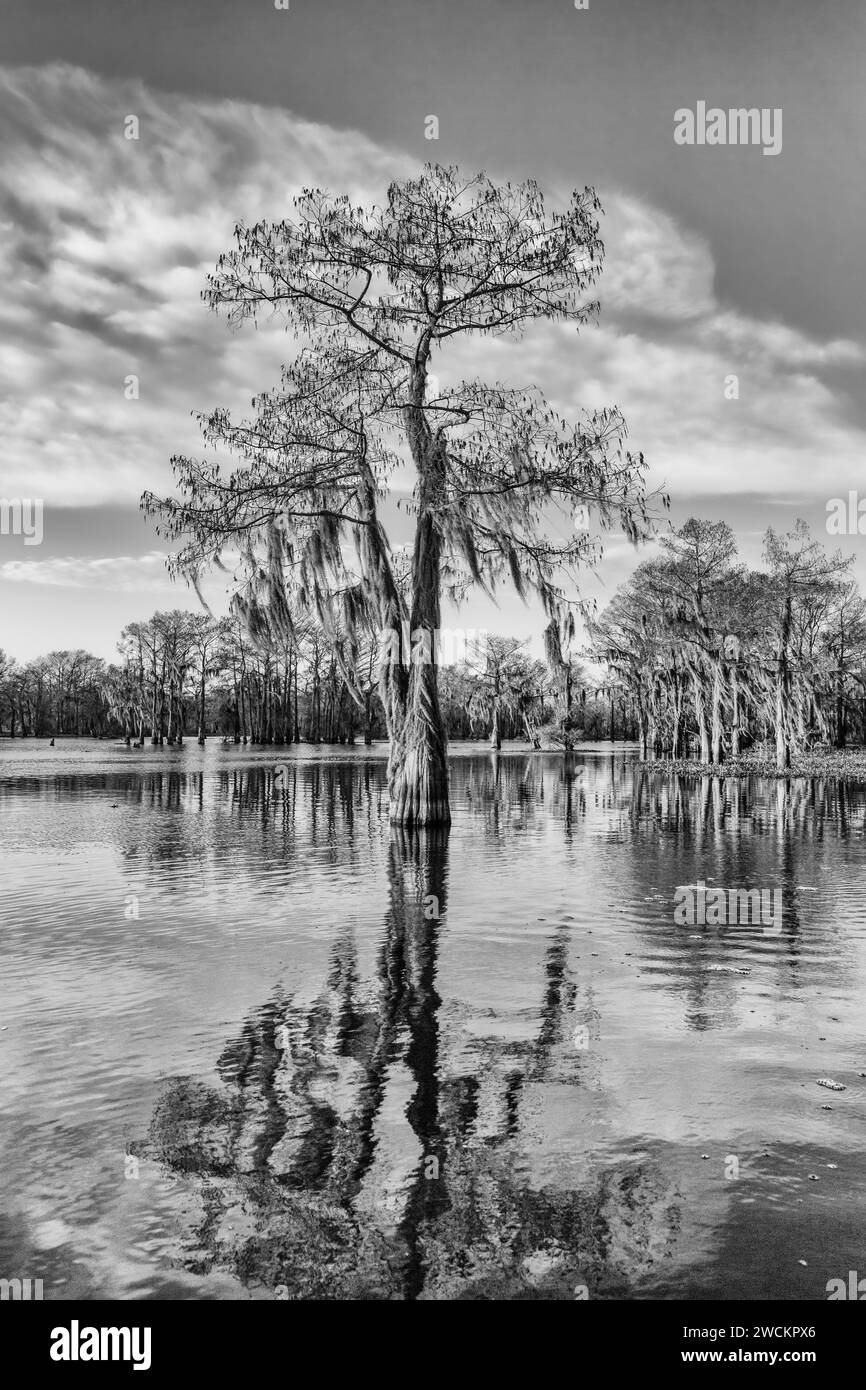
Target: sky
720,261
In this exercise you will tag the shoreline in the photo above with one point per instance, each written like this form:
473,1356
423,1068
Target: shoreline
842,765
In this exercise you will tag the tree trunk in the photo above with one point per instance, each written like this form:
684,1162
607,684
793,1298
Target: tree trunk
154,731
201,735
841,731
717,713
418,763
701,714
783,750
735,713
236,738
368,718
783,756
495,734
642,733
676,718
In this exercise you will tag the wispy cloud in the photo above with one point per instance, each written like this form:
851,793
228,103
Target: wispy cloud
130,573
105,243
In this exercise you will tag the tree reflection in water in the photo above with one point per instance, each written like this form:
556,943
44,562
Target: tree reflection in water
344,1155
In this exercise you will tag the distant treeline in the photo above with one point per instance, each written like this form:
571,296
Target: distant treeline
186,675
695,656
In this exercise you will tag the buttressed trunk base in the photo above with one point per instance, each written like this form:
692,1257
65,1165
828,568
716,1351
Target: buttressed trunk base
419,790
418,764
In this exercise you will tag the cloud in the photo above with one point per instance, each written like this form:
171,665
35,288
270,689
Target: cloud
105,243
121,572
665,351
653,266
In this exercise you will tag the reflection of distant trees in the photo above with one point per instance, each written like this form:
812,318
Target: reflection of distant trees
493,788
269,812
734,832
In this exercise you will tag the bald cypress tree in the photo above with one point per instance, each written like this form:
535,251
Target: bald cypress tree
375,297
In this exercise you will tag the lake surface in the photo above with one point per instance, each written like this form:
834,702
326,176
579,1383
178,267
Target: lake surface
257,1044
